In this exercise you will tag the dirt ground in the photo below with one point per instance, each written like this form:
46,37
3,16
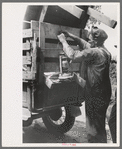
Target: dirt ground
37,132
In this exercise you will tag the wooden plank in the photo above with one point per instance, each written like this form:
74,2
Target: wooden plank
24,99
54,67
41,36
77,12
40,64
51,30
101,17
27,33
74,10
36,31
43,13
24,104
52,52
32,96
51,59
34,55
53,46
57,46
41,30
28,76
34,25
28,53
28,66
29,98
27,60
51,67
37,43
56,41
26,46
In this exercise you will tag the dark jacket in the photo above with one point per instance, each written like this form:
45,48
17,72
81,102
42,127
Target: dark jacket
94,66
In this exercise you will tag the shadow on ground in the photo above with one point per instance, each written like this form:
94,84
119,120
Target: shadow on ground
37,133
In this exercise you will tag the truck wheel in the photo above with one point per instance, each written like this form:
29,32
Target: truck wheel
63,124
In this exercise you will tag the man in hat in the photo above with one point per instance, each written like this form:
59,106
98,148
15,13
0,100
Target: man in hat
94,61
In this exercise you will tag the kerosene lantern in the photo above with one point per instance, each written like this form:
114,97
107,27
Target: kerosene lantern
64,64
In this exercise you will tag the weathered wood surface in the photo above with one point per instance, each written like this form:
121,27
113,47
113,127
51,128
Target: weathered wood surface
34,56
52,52
41,28
26,46
51,47
41,36
54,67
49,42
51,30
43,13
24,99
32,96
29,97
101,17
54,15
34,25
27,60
74,10
27,33
28,75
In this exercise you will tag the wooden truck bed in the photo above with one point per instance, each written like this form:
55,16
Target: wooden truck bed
48,61
41,50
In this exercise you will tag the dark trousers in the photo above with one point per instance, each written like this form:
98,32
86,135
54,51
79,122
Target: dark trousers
96,104
112,122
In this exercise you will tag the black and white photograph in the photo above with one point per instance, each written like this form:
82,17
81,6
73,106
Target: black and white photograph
66,68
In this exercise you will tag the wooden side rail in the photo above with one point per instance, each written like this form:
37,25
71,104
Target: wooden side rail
52,48
77,12
29,54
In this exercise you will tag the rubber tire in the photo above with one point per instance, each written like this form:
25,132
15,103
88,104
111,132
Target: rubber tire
64,127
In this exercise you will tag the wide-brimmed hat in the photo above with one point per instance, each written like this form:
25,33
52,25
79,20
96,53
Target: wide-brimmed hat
98,35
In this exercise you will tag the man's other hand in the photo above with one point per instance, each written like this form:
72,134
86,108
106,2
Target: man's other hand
79,80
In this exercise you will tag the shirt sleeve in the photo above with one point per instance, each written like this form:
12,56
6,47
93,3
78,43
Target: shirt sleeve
85,44
79,56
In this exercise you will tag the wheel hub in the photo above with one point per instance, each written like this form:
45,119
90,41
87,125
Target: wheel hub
56,114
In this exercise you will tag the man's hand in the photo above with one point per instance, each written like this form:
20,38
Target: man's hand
79,80
67,34
61,37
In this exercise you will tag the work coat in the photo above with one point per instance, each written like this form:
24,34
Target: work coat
94,66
